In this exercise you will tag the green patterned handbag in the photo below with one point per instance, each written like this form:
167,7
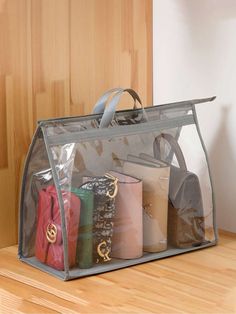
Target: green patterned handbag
85,239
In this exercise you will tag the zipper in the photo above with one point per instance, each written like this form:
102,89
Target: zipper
117,131
185,104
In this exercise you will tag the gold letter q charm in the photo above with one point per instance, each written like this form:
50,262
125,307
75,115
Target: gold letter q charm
105,256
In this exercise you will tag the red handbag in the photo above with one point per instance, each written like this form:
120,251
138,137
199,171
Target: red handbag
49,243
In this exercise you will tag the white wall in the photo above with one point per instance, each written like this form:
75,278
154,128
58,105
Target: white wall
195,57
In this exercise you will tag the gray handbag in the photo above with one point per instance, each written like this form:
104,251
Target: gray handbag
185,211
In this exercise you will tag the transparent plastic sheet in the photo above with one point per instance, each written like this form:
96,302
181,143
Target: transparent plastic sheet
135,222
38,176
125,201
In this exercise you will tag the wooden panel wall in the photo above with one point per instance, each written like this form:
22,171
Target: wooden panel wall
56,58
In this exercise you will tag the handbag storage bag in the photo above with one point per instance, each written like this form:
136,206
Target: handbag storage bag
115,188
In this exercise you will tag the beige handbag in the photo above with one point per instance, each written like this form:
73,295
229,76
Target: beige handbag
127,241
155,201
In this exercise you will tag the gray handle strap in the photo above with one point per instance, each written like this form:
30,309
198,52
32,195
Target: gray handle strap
110,110
174,145
100,105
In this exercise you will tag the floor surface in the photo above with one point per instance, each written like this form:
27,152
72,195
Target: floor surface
203,281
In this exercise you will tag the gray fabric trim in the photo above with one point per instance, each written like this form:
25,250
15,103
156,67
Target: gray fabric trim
209,170
22,192
117,264
61,203
120,130
37,264
177,105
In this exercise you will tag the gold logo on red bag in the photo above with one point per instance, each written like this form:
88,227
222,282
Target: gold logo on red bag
51,233
103,251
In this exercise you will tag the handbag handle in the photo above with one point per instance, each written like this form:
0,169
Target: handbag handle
100,105
175,147
110,110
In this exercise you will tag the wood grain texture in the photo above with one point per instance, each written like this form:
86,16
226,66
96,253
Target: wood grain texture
57,57
200,282
3,124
